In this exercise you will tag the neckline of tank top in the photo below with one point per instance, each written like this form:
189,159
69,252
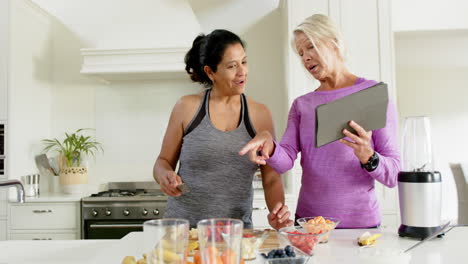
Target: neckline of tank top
207,114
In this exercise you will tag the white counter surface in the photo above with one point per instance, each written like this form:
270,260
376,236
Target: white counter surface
51,197
341,248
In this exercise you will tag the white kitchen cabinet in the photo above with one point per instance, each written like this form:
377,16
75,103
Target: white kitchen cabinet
260,211
44,221
3,203
43,236
259,214
3,214
368,36
25,76
3,228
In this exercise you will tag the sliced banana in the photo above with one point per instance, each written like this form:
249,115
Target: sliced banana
129,260
368,239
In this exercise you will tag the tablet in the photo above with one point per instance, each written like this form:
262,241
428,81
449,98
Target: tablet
367,107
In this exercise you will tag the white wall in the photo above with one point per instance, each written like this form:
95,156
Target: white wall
432,80
417,15
130,117
30,78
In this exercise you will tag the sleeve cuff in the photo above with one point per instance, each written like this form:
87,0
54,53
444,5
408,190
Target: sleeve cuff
379,170
275,155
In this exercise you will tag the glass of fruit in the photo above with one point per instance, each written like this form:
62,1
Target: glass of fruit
166,240
252,240
220,240
319,224
299,238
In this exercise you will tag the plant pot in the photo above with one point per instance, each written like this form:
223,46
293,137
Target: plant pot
73,179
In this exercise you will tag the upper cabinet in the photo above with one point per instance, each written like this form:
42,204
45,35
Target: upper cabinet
4,41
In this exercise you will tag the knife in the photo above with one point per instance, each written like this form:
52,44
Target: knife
183,188
436,233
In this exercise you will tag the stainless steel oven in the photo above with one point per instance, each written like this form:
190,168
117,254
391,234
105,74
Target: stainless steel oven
115,229
2,149
120,210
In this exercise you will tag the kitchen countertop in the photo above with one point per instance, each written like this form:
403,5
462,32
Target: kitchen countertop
62,197
341,248
50,197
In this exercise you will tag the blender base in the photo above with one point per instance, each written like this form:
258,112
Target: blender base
417,232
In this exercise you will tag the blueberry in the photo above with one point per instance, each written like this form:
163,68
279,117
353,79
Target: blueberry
264,255
271,254
292,254
280,252
288,249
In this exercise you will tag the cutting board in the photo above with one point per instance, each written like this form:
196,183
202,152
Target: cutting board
272,240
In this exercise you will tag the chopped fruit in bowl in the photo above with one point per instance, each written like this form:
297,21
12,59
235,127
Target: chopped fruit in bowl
318,225
300,238
251,242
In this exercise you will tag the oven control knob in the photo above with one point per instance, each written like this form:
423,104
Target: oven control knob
94,213
155,211
144,212
108,212
126,212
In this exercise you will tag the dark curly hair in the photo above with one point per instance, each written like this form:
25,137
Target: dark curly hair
208,50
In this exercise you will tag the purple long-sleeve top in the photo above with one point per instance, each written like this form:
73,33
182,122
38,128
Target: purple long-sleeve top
333,182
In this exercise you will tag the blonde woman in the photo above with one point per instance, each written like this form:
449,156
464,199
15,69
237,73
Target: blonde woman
338,178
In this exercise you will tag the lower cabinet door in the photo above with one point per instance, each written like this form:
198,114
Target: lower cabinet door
3,230
43,236
259,214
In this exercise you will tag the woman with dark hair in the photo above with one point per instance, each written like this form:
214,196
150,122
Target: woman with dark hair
205,133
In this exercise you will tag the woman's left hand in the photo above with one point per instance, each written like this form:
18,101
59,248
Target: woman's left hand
360,143
279,216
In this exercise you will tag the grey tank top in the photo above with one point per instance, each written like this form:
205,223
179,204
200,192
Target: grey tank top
220,180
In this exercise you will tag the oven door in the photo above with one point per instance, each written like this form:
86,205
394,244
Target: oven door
114,229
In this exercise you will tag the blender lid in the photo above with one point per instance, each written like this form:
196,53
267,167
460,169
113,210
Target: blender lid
419,176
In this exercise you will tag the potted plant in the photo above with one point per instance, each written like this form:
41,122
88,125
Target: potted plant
72,150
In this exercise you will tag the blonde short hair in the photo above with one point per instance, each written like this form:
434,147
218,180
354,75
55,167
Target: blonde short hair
321,29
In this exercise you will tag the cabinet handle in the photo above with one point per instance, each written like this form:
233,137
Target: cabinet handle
36,238
259,208
42,211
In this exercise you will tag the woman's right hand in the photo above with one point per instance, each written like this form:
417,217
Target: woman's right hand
169,182
260,148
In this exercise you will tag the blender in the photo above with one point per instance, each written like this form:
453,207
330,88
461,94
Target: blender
419,185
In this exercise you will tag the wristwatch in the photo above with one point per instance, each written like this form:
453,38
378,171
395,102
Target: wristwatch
372,163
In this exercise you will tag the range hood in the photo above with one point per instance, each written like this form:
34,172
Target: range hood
134,64
152,47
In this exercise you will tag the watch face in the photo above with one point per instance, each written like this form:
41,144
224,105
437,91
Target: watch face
373,163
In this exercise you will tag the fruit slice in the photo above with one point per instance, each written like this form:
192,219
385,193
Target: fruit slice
367,239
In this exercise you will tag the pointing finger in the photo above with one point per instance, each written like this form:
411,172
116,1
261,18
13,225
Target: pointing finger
248,147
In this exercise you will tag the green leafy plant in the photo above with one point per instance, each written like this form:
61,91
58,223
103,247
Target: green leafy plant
74,147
